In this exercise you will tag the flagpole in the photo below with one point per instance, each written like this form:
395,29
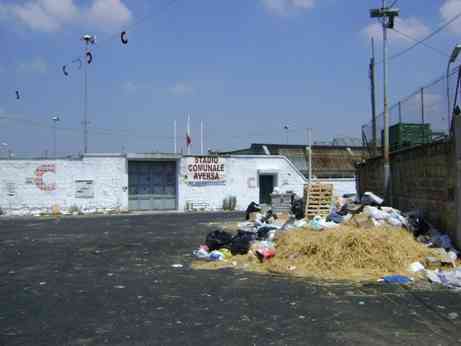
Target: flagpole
174,137
188,134
201,137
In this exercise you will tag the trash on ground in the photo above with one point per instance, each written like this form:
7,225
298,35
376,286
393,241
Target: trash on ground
416,267
177,265
349,238
396,279
450,279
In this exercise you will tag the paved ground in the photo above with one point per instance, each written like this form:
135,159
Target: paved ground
109,280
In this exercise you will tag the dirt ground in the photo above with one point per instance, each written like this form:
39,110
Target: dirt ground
110,280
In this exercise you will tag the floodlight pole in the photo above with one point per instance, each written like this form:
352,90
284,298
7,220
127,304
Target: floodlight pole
89,40
387,16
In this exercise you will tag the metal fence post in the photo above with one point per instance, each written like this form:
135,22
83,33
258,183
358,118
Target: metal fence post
400,112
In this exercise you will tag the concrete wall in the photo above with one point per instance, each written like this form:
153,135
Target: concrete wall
241,176
241,179
423,178
41,184
32,186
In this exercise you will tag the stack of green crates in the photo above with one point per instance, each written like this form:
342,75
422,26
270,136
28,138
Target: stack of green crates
405,135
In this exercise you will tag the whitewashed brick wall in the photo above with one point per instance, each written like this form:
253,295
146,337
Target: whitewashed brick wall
21,187
242,181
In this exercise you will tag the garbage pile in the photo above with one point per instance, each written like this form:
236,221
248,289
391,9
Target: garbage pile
359,240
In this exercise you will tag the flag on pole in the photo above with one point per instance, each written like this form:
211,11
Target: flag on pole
188,136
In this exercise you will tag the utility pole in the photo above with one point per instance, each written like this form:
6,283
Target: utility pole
89,40
373,97
387,16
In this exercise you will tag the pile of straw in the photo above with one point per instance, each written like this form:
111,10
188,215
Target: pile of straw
344,253
347,253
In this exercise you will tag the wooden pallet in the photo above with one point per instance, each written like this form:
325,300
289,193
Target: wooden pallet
318,199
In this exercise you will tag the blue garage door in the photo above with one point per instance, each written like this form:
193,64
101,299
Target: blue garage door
152,185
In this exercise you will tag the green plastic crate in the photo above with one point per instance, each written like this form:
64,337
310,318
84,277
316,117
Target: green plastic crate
404,135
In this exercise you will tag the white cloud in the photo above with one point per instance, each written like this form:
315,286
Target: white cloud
181,89
413,27
448,10
109,14
37,65
283,7
52,15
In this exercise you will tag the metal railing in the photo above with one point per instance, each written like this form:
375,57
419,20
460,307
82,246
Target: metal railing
421,118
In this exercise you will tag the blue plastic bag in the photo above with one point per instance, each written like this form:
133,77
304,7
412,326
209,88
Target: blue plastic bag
396,279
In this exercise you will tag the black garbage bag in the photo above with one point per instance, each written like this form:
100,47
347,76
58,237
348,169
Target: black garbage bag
263,232
297,208
252,208
417,225
241,243
218,239
269,215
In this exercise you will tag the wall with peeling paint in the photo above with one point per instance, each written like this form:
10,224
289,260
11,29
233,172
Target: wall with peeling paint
93,182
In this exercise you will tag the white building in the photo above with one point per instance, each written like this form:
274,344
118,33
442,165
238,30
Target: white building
145,182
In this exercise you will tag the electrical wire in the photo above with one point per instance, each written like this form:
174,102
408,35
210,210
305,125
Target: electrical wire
442,53
432,34
94,130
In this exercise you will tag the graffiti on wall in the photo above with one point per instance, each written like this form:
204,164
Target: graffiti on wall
40,177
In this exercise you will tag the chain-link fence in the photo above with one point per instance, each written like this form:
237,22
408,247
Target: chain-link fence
421,118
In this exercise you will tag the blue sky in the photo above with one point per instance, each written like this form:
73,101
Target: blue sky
244,67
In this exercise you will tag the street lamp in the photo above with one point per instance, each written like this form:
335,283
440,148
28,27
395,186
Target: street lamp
286,132
89,40
55,119
386,15
453,57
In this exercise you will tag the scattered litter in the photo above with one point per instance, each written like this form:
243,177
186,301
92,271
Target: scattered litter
344,239
453,315
416,267
396,279
119,286
216,256
369,198
361,303
42,283
177,265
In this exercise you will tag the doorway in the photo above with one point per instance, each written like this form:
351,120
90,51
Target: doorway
266,187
